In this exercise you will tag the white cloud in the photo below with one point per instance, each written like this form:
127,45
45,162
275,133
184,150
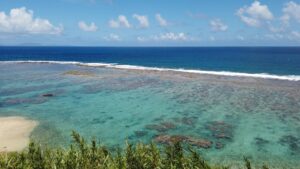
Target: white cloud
218,25
88,28
113,37
114,24
120,22
161,20
143,20
257,10
123,21
291,10
141,39
289,35
250,21
255,15
21,20
170,36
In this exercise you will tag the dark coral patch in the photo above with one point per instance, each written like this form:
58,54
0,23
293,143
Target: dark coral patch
161,127
291,141
219,145
171,139
79,73
140,134
189,120
16,101
260,141
48,95
202,143
220,130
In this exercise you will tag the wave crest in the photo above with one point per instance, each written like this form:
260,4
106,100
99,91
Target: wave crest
134,67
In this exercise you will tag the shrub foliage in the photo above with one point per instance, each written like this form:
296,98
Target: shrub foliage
83,155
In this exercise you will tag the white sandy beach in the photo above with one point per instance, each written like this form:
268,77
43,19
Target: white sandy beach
15,132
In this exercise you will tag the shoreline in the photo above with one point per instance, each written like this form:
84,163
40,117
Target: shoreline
293,78
15,132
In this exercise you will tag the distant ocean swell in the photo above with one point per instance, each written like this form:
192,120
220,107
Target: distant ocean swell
134,67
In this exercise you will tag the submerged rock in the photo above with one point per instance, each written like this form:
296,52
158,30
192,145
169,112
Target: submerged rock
162,127
219,145
15,91
140,133
16,101
189,121
222,136
158,119
97,121
170,139
260,141
110,118
164,139
292,141
168,125
48,95
203,143
78,73
101,120
220,130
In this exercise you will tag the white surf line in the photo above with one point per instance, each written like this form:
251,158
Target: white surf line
133,67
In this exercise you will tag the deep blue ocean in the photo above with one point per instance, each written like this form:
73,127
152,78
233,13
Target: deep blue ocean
271,60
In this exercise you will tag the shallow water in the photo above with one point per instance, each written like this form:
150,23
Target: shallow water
253,117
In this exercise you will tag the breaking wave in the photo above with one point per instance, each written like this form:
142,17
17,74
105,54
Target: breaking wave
133,67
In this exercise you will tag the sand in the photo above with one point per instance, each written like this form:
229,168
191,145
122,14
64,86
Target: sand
15,132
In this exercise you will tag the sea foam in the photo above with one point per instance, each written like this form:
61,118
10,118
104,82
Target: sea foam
134,67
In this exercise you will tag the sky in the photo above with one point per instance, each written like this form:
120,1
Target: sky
150,22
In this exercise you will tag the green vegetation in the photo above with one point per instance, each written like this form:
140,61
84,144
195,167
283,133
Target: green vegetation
81,155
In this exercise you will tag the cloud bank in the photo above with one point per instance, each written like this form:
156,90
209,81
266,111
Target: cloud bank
121,21
21,20
255,15
291,10
143,20
87,28
161,20
217,25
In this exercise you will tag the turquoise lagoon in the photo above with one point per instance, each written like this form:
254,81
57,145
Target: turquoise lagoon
260,118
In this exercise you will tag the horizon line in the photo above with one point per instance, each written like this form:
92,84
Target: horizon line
275,46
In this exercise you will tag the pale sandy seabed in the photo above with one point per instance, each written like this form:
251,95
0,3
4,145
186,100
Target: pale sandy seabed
15,132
